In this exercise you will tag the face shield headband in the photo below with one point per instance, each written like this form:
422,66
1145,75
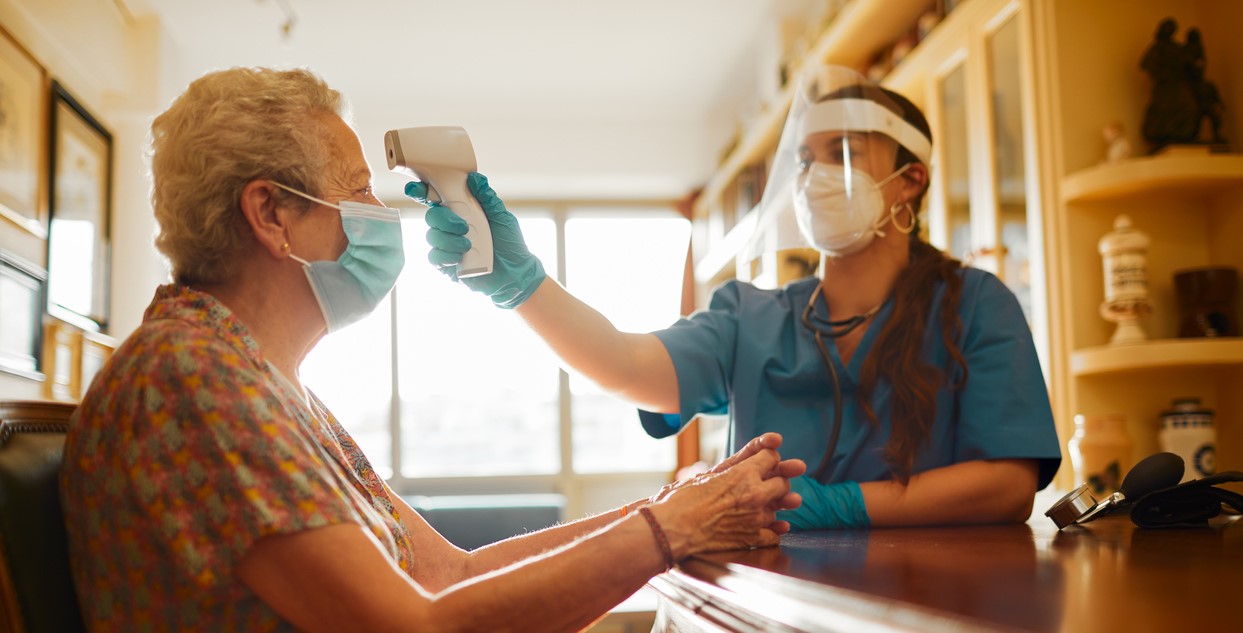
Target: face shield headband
862,115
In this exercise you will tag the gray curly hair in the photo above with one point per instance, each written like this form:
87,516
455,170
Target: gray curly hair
228,128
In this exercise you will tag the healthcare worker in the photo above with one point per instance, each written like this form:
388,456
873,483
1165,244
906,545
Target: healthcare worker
908,384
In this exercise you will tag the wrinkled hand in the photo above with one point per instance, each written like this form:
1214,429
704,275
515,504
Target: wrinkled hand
734,505
516,273
789,468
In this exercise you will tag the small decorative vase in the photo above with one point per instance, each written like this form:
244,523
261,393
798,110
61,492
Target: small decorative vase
1206,301
1187,430
1100,452
1124,252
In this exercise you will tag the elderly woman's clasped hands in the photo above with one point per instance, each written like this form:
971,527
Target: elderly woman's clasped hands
733,505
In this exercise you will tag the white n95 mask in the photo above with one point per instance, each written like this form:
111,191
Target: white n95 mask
351,287
840,210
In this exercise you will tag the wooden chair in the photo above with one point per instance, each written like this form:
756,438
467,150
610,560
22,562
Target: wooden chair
36,589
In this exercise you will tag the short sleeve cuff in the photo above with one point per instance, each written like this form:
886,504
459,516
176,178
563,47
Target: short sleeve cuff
660,425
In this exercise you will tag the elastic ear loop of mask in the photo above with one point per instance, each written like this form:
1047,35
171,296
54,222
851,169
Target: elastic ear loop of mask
312,199
305,195
879,224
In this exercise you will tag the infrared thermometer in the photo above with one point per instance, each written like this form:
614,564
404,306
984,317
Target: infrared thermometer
440,157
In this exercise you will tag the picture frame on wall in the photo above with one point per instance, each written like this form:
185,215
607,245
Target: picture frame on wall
79,245
96,350
22,286
23,109
62,360
71,359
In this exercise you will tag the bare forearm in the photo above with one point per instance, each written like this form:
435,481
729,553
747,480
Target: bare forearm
563,591
569,587
996,491
634,367
512,550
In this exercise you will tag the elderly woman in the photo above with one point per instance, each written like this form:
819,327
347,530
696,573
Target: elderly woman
205,488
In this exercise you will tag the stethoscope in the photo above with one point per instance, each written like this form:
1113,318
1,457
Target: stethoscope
821,328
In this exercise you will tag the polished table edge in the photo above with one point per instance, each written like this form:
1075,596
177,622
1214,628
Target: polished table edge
1031,564
725,595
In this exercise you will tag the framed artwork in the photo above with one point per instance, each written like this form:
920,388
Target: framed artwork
96,350
21,303
23,94
62,361
79,236
71,358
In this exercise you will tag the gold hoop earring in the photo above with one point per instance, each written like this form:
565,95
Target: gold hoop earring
893,217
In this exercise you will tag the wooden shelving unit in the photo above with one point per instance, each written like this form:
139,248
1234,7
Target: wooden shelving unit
721,260
1194,174
1158,354
1189,201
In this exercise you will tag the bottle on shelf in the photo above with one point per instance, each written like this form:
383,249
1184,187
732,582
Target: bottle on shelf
1100,452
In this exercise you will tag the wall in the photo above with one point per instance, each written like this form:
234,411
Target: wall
117,68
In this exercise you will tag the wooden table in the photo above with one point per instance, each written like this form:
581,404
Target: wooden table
1105,576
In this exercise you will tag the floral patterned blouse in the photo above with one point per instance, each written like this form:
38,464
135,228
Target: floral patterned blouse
187,449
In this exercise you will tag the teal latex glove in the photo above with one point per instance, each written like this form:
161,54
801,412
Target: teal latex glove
826,506
516,273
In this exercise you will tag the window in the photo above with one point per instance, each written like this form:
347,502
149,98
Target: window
479,393
351,372
628,269
480,397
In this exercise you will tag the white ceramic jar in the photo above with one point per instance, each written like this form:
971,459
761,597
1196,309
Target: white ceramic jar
1187,430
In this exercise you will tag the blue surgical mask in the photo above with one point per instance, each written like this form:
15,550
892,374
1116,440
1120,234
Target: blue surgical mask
351,287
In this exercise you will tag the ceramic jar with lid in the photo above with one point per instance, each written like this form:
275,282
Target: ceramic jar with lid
1124,253
1187,430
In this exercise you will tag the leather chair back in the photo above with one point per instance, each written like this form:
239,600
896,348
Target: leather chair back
36,588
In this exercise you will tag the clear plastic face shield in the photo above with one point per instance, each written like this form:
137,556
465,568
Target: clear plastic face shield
835,156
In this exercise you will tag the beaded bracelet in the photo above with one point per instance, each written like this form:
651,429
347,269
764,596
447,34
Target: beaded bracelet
660,536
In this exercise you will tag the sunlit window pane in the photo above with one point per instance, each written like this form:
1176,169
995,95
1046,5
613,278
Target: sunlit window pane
479,391
75,252
628,268
351,371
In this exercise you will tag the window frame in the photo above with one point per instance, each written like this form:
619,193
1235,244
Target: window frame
585,493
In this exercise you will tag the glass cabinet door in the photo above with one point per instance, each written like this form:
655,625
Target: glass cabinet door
984,204
1009,174
955,178
979,206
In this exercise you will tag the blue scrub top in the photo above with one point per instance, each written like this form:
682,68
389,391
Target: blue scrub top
750,356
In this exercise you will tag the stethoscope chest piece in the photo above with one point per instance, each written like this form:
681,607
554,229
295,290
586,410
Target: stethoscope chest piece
1072,506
